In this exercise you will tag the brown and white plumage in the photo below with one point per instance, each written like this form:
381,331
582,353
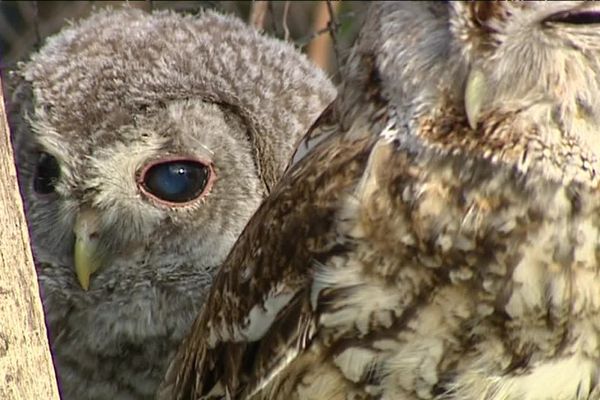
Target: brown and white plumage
144,143
442,242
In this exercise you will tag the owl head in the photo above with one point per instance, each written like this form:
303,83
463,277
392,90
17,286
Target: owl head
504,68
144,142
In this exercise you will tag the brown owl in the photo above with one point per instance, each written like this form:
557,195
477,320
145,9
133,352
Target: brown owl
439,237
144,144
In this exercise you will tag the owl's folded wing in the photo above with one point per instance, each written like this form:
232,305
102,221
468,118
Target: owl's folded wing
258,317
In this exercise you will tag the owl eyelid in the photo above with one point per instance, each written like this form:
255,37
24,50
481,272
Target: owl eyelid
169,159
580,17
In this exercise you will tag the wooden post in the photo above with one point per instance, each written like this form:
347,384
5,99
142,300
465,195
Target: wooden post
26,370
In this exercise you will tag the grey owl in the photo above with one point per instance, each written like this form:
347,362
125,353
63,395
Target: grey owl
144,144
438,236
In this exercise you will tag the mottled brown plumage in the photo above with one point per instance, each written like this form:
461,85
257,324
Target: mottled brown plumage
441,241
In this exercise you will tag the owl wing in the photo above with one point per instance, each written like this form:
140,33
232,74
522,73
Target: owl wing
258,316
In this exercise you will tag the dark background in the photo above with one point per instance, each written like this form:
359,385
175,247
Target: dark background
25,24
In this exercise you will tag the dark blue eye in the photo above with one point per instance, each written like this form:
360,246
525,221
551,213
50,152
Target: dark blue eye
176,181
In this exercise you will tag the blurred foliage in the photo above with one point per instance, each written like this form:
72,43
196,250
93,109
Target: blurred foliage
25,24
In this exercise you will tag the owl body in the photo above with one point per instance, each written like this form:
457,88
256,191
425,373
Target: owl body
144,143
445,226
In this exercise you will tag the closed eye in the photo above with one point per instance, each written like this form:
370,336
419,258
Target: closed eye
579,17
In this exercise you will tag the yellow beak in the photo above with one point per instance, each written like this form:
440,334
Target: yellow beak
475,91
86,256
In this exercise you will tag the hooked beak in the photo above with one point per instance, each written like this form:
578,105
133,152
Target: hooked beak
86,255
475,91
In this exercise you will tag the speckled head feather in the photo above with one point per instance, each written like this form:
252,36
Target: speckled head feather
144,143
128,61
437,235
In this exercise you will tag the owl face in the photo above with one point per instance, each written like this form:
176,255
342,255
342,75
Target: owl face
177,180
524,52
134,151
508,67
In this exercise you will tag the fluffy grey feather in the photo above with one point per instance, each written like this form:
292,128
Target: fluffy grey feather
107,98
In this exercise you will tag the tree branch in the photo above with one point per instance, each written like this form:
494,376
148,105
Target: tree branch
286,9
319,49
258,14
